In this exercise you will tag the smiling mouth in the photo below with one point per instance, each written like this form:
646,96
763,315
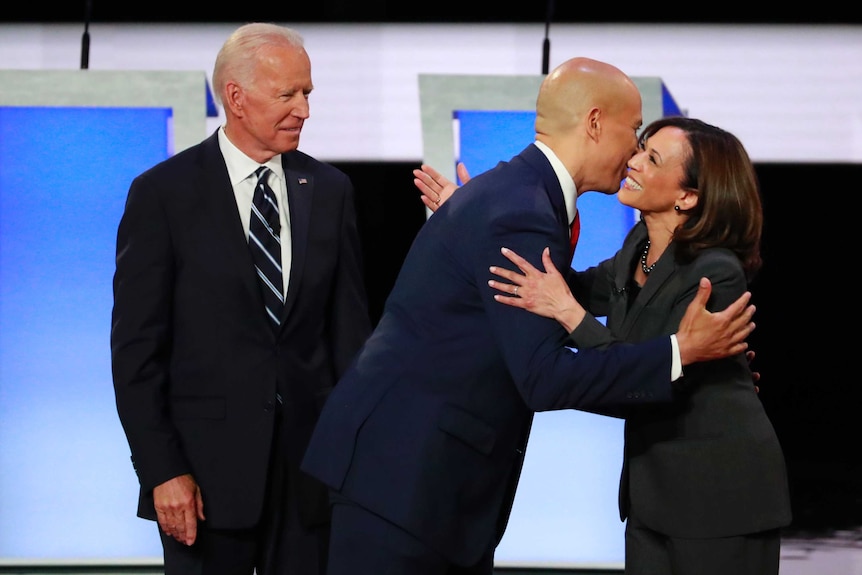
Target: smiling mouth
633,185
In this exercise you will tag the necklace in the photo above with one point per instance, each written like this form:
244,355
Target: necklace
647,269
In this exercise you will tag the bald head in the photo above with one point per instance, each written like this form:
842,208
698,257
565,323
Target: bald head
588,112
575,87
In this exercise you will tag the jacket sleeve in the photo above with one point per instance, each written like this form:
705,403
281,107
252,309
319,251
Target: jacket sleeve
548,374
140,336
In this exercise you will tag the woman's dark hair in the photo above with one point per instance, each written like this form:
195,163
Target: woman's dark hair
728,212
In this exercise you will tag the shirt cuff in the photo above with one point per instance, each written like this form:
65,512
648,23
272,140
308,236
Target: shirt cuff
676,360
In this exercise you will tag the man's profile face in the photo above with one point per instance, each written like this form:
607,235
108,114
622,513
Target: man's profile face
619,143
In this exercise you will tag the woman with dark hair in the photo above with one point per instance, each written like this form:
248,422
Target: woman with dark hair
704,487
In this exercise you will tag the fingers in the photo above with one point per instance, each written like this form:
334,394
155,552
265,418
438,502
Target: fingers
522,264
526,266
738,308
199,502
515,280
509,300
741,323
190,529
432,173
509,275
429,180
741,327
430,204
424,182
182,526
178,504
462,172
547,261
426,177
511,290
422,187
168,524
429,197
703,292
738,315
704,336
755,375
435,187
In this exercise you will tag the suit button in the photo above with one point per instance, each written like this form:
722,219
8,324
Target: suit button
268,405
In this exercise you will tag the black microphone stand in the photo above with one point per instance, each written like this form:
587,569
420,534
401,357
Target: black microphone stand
546,45
85,40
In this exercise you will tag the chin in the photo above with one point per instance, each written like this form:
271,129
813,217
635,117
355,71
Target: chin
289,145
626,198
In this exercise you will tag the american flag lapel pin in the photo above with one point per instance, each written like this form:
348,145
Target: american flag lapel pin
302,181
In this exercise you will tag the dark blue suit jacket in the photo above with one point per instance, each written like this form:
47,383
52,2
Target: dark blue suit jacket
196,364
428,427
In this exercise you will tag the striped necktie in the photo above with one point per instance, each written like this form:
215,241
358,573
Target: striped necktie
265,245
575,233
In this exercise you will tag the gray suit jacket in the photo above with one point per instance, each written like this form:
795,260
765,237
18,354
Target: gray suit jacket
707,464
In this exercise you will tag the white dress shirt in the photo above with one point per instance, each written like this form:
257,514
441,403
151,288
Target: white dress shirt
240,169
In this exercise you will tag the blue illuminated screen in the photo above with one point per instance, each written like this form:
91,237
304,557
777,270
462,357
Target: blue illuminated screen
67,487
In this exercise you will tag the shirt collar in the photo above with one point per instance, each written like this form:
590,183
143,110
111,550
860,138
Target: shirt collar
570,192
239,165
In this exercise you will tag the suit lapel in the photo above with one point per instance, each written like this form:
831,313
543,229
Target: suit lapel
226,239
660,275
300,187
229,242
618,318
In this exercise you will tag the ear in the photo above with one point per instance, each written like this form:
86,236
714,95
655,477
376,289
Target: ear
233,98
687,200
594,124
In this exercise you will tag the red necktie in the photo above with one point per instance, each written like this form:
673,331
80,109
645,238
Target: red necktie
576,231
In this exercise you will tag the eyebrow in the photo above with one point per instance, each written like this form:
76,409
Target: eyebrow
652,150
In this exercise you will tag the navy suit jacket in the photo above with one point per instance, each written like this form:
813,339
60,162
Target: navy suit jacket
429,426
195,362
708,464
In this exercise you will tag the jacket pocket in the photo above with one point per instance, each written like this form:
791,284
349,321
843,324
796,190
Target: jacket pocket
466,427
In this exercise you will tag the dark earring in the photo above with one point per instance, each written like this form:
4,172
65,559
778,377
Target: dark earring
676,208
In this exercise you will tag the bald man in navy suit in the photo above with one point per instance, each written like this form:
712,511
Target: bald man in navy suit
423,439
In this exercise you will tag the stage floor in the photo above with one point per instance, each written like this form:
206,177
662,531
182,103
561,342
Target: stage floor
840,553
837,553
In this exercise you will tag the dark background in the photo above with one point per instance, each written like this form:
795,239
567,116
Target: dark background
809,382
437,11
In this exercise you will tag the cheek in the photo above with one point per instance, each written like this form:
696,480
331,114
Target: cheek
626,147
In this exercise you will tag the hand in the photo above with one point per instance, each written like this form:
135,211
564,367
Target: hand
542,293
179,506
703,335
755,375
435,187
